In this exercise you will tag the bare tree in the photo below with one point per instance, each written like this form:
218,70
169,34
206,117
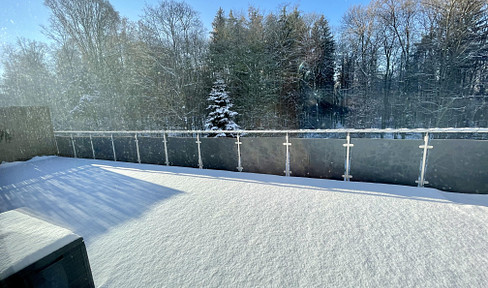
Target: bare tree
175,36
91,24
361,43
453,49
26,76
398,30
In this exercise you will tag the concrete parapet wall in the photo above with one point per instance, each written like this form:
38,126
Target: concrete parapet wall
26,132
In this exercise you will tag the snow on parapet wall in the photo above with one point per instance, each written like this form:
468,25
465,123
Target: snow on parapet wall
26,240
26,132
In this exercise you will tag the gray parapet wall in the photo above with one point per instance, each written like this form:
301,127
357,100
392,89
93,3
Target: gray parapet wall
26,132
219,153
386,161
452,165
317,158
458,165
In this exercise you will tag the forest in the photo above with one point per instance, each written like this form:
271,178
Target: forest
391,64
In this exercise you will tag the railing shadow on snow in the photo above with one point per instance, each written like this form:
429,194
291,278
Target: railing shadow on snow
78,195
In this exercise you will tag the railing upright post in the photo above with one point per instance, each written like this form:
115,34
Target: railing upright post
73,145
113,146
423,162
137,149
56,143
200,163
93,150
348,146
287,163
238,143
166,161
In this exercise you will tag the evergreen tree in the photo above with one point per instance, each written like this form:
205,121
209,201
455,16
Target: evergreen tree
324,52
220,116
218,46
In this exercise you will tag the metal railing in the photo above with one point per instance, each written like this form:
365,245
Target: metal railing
426,132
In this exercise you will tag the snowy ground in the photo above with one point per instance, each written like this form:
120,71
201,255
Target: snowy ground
156,226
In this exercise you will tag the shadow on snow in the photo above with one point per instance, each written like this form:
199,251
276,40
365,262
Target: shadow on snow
83,198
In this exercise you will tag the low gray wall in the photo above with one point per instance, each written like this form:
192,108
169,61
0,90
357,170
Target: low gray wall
386,160
453,165
458,165
26,132
317,158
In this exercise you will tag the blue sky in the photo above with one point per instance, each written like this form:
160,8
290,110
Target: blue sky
22,18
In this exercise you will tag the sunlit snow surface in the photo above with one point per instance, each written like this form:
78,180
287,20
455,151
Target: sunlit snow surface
157,226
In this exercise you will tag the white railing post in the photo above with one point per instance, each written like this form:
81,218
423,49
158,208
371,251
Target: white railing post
166,161
137,149
347,165
73,145
421,181
113,146
200,163
287,163
93,150
238,143
56,143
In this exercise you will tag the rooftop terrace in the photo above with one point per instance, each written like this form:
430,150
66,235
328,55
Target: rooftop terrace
154,226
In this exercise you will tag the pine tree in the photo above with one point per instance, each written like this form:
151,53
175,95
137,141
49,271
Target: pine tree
324,49
220,116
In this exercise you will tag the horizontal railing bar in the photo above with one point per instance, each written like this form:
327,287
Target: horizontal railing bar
300,131
100,136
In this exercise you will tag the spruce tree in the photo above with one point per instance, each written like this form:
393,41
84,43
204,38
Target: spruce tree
220,116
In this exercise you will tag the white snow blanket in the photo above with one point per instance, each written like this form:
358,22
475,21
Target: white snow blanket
156,226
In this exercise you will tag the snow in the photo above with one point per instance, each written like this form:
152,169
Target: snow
220,116
26,239
157,226
5,164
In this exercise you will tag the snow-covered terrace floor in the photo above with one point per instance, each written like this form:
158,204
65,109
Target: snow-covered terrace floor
156,226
